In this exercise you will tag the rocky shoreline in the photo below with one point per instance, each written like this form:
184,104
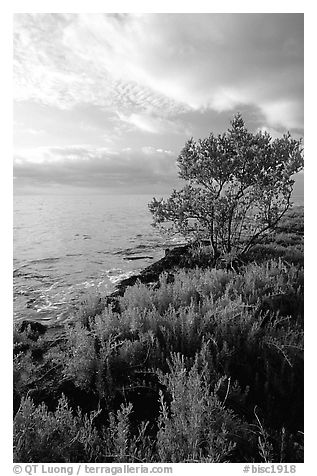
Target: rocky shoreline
172,258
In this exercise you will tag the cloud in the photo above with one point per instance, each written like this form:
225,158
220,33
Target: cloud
153,123
288,113
88,166
163,63
151,150
143,122
66,60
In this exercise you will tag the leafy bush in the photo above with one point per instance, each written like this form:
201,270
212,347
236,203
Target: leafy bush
196,426
239,187
68,436
40,435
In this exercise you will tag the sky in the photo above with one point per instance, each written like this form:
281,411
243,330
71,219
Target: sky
105,102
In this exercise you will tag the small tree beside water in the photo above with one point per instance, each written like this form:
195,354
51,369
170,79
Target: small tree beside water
239,186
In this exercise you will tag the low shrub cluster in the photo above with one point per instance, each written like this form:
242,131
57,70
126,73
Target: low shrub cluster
206,366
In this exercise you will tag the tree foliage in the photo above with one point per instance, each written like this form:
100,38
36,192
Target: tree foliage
239,186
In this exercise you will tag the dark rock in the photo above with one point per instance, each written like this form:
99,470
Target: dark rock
134,258
172,258
34,329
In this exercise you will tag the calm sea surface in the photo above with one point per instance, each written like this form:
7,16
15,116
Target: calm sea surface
69,247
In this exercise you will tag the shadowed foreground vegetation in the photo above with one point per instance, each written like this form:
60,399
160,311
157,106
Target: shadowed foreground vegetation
205,365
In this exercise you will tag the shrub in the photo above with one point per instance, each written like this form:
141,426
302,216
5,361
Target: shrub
221,342
195,426
60,436
239,188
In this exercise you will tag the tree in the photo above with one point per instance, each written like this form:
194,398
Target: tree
239,187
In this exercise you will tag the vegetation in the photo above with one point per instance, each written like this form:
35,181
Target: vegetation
239,187
120,383
204,365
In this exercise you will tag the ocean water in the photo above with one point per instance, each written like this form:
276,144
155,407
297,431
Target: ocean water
69,248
